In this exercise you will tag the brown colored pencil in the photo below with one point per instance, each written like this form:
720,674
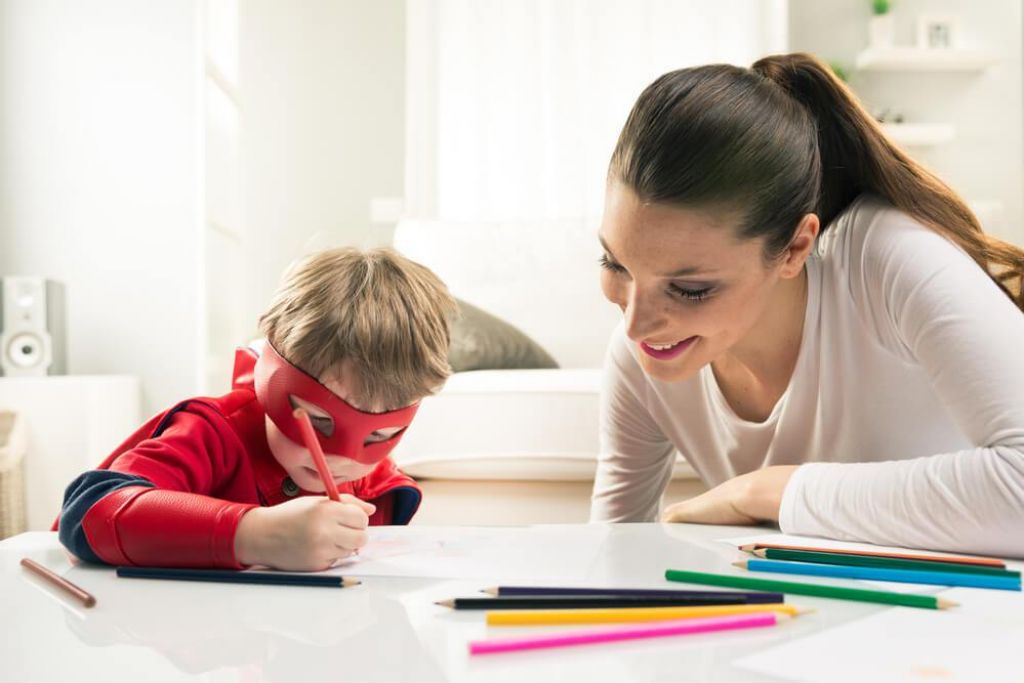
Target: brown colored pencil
59,581
956,559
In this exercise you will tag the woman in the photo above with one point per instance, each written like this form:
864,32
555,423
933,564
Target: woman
813,320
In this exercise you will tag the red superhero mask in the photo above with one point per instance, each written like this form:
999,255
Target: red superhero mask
277,381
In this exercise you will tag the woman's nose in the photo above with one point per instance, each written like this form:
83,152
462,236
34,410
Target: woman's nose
643,316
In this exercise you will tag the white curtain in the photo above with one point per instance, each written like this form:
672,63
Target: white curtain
513,106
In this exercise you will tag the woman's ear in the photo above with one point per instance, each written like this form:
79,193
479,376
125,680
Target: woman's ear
800,246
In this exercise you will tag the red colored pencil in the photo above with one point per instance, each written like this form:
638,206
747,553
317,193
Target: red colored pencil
59,581
313,444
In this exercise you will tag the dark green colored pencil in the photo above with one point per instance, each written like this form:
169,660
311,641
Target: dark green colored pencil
886,562
820,590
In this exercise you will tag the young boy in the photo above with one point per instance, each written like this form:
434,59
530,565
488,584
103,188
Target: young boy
355,339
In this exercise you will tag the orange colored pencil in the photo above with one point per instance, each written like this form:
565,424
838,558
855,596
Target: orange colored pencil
59,581
313,444
957,559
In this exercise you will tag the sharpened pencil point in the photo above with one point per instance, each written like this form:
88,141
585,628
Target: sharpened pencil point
760,552
749,547
445,603
742,564
490,591
348,583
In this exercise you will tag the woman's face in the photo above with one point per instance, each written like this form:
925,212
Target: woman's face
689,289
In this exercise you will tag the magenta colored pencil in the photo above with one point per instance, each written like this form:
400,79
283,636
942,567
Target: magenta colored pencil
678,627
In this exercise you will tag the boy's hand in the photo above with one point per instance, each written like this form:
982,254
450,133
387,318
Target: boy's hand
306,534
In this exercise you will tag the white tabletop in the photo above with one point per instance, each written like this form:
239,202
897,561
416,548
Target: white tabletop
387,629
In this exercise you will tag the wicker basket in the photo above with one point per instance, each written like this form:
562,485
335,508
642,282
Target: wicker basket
12,474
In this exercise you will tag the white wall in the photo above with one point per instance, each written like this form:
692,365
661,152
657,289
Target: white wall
99,178
985,161
321,87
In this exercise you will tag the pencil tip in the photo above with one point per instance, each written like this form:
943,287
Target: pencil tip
445,603
742,564
943,603
490,591
348,583
749,547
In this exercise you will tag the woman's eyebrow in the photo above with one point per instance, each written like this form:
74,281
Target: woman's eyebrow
681,272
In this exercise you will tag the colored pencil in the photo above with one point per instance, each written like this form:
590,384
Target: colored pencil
581,602
625,615
955,559
608,635
83,596
881,574
517,591
884,562
815,589
313,444
230,576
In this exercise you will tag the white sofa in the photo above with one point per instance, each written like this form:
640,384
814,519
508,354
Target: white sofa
525,437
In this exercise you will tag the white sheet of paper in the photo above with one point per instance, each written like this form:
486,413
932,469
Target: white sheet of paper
539,553
978,641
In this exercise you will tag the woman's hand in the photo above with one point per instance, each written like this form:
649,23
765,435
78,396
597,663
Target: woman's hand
745,500
306,534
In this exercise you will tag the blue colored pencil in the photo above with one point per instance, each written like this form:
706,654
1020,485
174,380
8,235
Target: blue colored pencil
879,574
231,576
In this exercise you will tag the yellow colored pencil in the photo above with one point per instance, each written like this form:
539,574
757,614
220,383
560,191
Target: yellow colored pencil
539,617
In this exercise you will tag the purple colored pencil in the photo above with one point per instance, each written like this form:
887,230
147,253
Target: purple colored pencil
748,597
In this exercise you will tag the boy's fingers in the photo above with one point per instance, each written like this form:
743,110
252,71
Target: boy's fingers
351,539
352,517
370,508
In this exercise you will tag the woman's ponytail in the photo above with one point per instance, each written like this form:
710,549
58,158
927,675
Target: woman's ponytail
856,157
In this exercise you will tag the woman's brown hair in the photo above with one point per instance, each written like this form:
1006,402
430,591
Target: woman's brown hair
779,140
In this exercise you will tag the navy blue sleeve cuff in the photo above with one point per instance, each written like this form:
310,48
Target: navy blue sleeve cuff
79,497
406,503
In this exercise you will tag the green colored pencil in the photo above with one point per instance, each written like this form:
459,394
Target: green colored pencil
816,589
886,562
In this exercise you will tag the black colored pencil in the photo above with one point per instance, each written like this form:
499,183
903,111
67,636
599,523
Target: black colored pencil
230,576
741,596
583,602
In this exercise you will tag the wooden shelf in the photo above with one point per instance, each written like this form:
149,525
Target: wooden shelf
919,134
920,59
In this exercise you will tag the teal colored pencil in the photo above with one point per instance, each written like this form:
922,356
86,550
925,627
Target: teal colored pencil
815,589
881,574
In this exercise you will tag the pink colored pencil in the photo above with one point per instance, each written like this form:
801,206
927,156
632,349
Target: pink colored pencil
313,444
677,627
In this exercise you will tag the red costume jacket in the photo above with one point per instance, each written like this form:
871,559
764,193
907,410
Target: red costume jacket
173,493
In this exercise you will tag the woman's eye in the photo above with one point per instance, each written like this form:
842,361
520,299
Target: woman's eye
690,294
608,264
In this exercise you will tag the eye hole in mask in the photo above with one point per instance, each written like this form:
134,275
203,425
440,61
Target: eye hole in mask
382,435
324,425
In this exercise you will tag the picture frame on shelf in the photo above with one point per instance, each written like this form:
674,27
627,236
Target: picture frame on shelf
937,31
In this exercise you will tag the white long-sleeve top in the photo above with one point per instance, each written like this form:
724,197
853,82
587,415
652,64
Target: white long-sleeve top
905,409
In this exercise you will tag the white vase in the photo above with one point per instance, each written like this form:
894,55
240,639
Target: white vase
880,30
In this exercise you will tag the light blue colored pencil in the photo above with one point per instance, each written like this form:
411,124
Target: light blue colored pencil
880,574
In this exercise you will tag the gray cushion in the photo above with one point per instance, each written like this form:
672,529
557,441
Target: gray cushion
481,341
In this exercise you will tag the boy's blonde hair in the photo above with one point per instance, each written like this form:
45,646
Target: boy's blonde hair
386,319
